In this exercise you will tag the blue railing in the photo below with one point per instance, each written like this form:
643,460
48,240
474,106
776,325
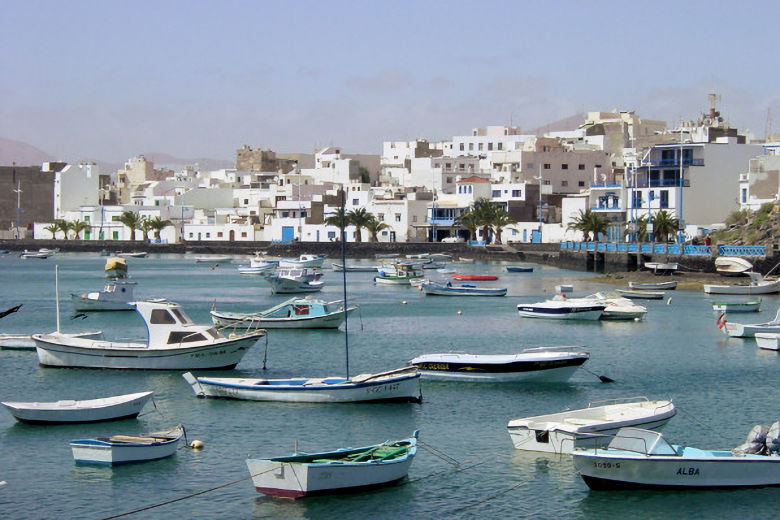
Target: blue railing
664,249
742,250
441,221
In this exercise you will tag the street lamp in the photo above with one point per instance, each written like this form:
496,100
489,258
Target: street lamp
18,192
539,178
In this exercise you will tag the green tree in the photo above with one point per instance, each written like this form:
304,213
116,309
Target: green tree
501,219
339,219
374,226
62,225
157,224
77,226
365,177
145,225
589,222
468,219
132,221
52,228
485,212
664,225
359,218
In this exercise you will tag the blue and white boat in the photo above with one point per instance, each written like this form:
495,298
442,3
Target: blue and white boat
562,310
293,281
465,289
302,261
124,449
519,269
295,313
643,459
399,385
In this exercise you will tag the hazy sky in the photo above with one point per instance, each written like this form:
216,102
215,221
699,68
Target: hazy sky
110,79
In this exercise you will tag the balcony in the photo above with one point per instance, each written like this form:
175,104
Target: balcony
606,186
687,161
441,221
660,183
606,208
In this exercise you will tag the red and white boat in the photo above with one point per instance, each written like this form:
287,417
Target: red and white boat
458,276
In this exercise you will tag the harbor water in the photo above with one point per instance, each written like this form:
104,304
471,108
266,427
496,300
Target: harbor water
466,466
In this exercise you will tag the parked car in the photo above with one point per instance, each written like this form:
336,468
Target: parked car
452,240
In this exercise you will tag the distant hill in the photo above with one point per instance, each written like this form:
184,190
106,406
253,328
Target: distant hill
22,154
562,125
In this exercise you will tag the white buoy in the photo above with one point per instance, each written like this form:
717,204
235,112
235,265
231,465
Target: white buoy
460,312
403,302
196,445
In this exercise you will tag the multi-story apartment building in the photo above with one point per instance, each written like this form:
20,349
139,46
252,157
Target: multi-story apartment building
761,183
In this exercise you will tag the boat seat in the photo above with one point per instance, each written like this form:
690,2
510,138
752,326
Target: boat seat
582,422
133,438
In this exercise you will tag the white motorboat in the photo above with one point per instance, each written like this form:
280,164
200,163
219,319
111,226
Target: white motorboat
562,309
589,427
41,255
541,364
115,296
124,449
295,313
653,286
346,469
757,285
174,342
732,266
70,411
748,330
302,261
643,459
768,340
292,281
399,385
133,254
617,307
260,270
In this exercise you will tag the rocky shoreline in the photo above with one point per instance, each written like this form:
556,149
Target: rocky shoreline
685,279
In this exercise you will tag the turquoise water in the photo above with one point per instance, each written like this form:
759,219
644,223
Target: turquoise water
722,387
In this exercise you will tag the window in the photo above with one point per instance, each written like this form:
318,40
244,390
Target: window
461,166
381,217
285,214
546,182
529,166
743,195
448,166
580,166
398,217
564,183
304,214
449,180
664,199
500,146
414,218
184,337
86,218
471,147
517,193
161,317
564,166
490,146
191,234
115,235
479,146
384,233
114,218
354,202
581,184
243,234
546,166
331,235
462,147
598,166
219,234
208,235
496,193
246,201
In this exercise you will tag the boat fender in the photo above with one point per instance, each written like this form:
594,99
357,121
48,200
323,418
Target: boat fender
232,335
403,302
460,312
196,445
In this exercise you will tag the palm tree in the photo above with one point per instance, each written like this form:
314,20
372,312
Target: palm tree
358,218
485,212
62,225
52,228
132,221
641,229
589,222
145,225
374,226
339,219
664,224
501,219
158,224
77,226
468,220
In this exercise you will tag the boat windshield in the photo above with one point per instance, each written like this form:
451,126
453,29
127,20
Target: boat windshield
641,441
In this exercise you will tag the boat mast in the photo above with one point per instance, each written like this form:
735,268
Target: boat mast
344,279
57,294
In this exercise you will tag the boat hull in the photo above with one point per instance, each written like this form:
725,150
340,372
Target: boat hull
768,341
441,290
561,313
56,351
403,388
743,330
93,410
604,471
86,304
761,288
653,286
104,451
327,321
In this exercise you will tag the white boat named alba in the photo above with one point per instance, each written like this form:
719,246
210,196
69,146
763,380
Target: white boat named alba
70,411
124,449
346,469
589,427
174,342
644,459
540,364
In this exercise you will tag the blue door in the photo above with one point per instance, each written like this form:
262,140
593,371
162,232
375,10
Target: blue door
536,237
288,233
